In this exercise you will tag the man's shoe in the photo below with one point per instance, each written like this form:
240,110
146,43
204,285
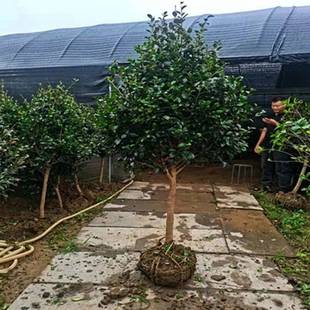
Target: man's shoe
267,188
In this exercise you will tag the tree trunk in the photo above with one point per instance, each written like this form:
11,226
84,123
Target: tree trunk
101,171
172,175
58,193
44,190
302,173
77,184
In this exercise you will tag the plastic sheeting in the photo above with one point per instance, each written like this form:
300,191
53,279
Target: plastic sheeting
254,43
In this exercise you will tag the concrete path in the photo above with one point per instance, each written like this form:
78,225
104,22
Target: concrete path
226,227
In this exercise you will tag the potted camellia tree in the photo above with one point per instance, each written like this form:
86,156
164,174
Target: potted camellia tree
170,104
57,130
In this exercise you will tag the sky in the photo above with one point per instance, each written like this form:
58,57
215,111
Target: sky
19,16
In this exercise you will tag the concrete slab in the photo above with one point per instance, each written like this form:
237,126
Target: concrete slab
87,267
235,271
115,239
249,231
135,194
232,198
155,220
89,296
238,272
160,206
182,195
145,186
60,296
255,300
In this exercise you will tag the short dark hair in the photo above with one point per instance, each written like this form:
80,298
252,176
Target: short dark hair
277,98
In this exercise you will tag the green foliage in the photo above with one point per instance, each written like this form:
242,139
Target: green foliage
295,226
84,141
295,128
294,133
13,153
101,120
305,291
51,122
70,246
174,102
294,223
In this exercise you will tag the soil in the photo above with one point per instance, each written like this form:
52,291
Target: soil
125,285
168,264
19,221
213,173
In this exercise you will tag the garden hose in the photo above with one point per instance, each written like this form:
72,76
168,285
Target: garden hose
12,252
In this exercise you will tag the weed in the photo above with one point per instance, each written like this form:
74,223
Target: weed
70,246
304,289
179,295
59,236
198,278
83,217
141,297
99,199
294,223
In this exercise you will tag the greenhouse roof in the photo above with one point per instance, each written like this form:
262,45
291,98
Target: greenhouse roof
278,34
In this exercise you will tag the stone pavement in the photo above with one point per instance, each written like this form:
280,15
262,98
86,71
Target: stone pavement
226,227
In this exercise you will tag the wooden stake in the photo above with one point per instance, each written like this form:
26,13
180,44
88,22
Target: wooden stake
44,190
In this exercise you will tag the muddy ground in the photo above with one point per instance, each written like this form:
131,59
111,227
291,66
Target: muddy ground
19,221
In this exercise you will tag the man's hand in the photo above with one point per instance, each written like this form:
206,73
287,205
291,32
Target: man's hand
258,149
270,121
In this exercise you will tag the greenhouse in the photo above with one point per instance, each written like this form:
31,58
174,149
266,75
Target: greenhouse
269,47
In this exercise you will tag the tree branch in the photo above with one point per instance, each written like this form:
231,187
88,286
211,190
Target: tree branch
181,169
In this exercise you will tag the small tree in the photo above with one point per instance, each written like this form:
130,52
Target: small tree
53,124
13,153
293,134
175,102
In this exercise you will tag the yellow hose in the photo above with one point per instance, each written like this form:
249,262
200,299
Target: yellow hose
20,249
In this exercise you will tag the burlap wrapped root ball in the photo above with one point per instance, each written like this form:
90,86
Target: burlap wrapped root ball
168,264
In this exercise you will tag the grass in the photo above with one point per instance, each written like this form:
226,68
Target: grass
141,297
295,226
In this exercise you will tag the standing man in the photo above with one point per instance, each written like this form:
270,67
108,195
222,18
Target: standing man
275,164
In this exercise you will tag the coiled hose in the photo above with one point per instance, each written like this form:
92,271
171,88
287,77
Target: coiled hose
13,252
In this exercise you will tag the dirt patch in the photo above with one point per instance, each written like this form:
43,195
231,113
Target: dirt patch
202,174
19,221
125,291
